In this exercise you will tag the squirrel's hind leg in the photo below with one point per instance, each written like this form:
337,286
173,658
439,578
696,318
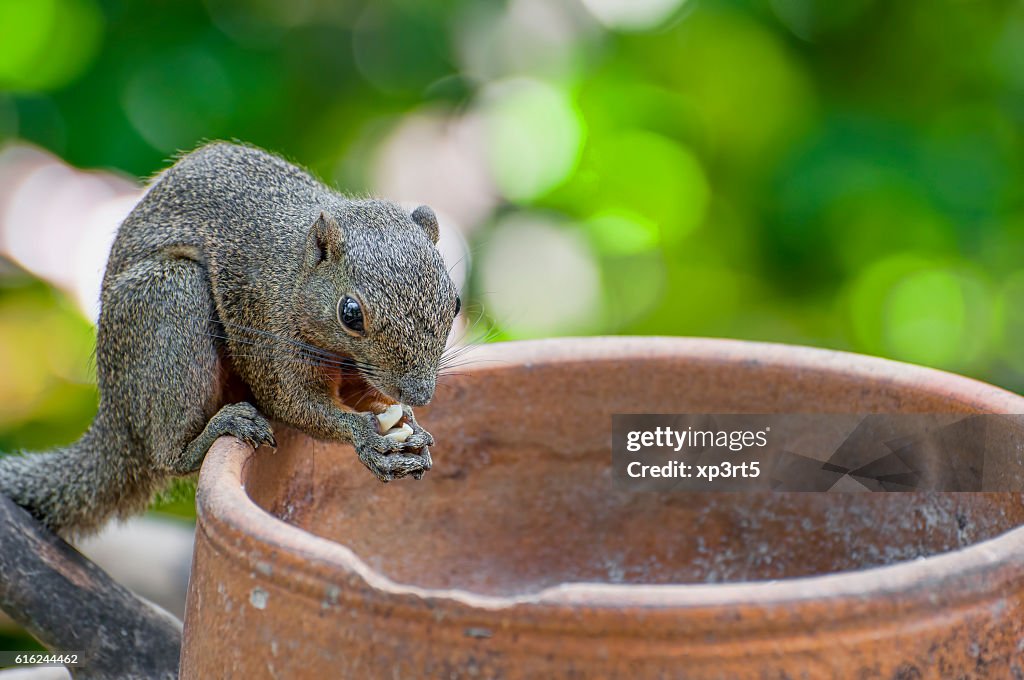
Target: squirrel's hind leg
159,366
160,383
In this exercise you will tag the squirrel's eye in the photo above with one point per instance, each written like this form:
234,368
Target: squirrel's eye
350,314
458,305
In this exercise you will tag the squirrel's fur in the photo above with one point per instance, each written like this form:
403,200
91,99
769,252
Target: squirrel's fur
220,312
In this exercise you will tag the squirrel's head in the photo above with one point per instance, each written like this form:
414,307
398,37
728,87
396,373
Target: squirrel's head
375,290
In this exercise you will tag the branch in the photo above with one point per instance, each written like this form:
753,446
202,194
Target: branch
71,605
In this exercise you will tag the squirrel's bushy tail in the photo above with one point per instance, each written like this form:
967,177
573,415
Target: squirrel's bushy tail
72,489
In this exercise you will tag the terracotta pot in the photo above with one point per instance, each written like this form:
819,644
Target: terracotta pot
515,558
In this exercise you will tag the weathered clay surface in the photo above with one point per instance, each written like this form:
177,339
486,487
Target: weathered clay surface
515,558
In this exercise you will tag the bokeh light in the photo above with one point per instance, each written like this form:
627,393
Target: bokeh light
539,277
535,135
647,175
523,37
923,311
937,317
636,15
44,44
623,233
44,202
438,159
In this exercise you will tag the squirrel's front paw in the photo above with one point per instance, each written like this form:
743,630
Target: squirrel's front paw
241,420
244,422
392,466
388,458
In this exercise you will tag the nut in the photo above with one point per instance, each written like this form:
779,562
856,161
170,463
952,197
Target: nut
391,415
399,434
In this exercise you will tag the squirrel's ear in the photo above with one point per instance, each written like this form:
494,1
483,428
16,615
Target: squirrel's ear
323,241
427,220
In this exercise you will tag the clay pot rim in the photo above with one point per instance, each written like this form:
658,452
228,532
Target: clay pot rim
244,532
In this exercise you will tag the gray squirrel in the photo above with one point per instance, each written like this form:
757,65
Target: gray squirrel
241,291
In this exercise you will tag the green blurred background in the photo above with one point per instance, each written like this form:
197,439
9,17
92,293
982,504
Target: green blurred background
837,174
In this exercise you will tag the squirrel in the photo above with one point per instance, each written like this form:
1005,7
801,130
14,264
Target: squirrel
239,291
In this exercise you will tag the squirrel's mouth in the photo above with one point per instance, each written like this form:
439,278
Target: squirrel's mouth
354,392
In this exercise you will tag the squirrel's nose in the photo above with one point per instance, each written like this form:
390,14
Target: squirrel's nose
417,391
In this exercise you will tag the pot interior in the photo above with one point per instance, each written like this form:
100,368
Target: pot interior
521,496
